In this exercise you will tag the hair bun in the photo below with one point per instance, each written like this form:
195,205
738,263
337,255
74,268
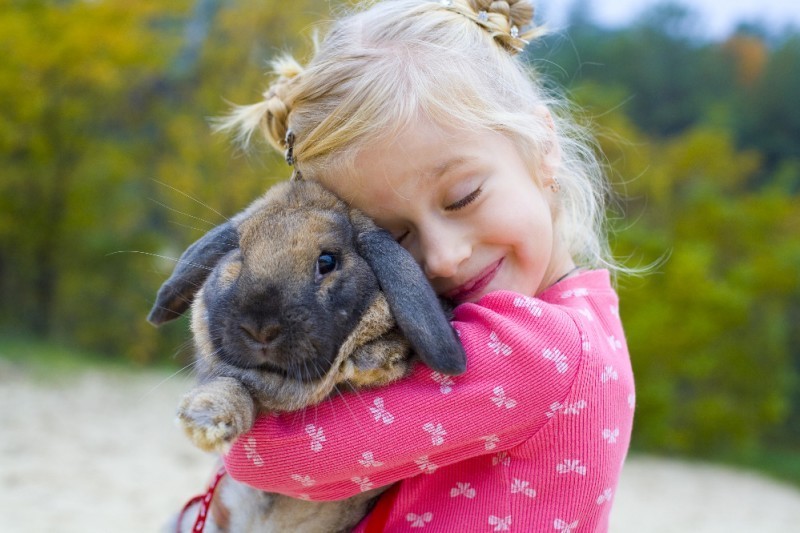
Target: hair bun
517,13
509,22
278,101
520,12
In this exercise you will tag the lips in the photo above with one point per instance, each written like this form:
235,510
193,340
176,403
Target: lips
474,286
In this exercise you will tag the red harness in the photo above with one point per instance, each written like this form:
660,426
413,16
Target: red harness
205,503
376,521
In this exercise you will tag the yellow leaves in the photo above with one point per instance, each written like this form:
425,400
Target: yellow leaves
708,331
709,155
750,56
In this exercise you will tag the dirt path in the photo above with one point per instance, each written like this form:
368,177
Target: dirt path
99,453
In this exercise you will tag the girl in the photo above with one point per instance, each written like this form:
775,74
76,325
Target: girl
418,113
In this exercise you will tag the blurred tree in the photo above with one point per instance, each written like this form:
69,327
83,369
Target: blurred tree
61,144
769,121
101,101
749,55
711,330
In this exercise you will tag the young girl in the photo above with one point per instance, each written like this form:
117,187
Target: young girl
418,113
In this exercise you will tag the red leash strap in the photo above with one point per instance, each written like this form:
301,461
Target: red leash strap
205,503
377,518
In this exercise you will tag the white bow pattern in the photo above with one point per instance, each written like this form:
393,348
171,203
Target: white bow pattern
364,484
500,399
317,437
251,453
462,489
502,458
500,524
614,343
605,497
436,431
609,374
522,487
380,412
556,357
563,526
575,293
490,441
610,435
497,346
426,465
368,459
530,304
571,465
419,520
445,382
305,481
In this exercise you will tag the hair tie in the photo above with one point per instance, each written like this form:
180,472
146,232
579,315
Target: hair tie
288,141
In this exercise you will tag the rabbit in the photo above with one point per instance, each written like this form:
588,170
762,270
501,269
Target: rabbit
292,298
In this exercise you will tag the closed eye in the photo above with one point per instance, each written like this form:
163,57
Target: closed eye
464,202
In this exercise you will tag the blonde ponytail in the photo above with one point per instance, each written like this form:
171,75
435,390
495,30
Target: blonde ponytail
270,116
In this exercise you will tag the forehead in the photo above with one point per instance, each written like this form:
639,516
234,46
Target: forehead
397,167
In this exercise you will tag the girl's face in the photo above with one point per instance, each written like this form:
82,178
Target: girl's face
465,205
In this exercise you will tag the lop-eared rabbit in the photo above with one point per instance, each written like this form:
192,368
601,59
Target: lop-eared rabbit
293,298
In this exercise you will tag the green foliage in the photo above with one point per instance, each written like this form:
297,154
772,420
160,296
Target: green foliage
110,171
711,329
105,143
702,140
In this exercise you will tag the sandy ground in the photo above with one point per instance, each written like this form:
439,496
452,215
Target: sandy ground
99,452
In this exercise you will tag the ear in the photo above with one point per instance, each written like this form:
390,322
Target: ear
551,153
176,294
413,302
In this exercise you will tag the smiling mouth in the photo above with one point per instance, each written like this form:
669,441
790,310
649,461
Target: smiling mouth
475,285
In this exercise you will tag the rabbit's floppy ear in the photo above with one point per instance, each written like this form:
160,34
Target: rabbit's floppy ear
195,264
412,300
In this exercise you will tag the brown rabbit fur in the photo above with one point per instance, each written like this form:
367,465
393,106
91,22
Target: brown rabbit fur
294,297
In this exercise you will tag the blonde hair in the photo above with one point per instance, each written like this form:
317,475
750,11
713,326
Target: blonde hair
380,69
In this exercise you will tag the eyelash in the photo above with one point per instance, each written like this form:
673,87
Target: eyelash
464,202
455,206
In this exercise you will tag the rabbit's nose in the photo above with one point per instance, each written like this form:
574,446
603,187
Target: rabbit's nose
264,333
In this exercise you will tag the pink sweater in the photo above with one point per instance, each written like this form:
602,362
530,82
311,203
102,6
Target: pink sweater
531,438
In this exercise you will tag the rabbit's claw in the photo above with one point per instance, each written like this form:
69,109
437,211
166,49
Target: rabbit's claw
211,420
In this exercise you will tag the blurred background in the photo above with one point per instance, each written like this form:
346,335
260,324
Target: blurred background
109,170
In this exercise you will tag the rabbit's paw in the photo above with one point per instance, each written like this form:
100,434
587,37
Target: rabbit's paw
212,421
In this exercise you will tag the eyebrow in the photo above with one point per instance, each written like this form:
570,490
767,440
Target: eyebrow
439,170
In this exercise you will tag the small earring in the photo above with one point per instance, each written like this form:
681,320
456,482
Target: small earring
555,186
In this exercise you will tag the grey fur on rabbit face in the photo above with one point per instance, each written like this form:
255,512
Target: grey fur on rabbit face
298,293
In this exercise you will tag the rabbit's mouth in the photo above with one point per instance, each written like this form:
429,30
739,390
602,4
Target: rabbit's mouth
304,362
303,375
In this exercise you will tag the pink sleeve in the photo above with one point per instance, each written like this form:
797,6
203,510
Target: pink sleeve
522,356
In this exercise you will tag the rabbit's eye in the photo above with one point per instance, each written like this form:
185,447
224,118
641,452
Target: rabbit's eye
326,263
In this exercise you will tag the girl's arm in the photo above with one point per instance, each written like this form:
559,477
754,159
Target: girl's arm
522,354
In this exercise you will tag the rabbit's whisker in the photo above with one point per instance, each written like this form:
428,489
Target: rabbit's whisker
190,197
163,381
161,256
349,407
165,206
187,226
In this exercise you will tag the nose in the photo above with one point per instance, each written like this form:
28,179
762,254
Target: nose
261,333
443,250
